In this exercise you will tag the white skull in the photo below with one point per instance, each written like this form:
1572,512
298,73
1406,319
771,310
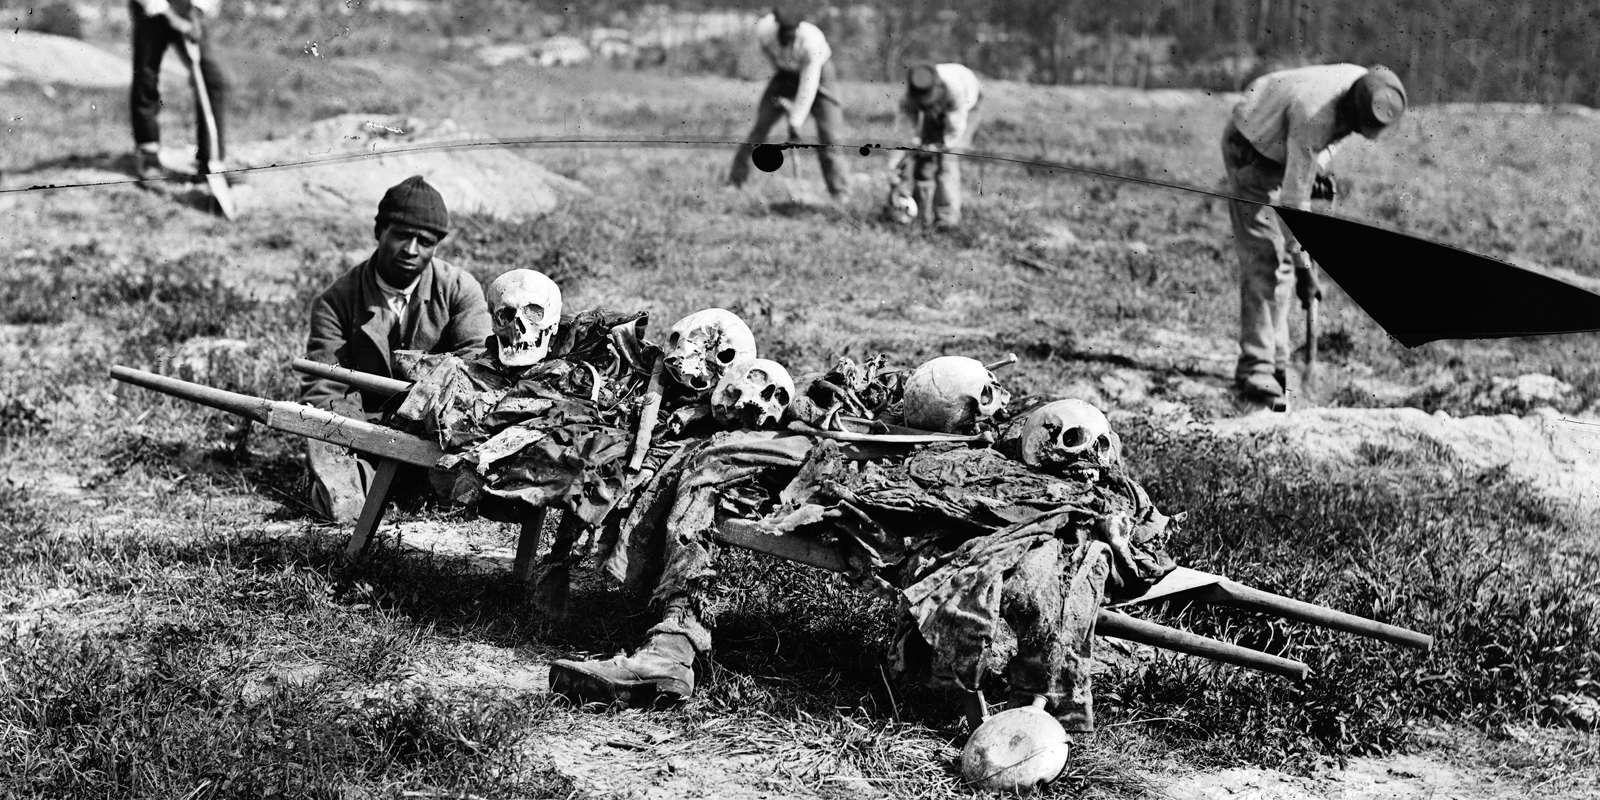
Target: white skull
701,346
753,393
1017,750
904,209
952,394
524,309
1068,432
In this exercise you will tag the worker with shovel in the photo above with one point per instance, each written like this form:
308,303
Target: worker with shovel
158,25
941,102
1276,148
803,88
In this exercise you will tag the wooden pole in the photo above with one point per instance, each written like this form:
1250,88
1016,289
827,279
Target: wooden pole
1238,595
304,420
1121,626
364,381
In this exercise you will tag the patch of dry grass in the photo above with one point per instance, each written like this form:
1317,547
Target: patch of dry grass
195,551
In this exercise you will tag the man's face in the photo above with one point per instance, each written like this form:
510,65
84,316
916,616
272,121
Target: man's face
404,251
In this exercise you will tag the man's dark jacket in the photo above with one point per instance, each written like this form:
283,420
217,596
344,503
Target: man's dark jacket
351,326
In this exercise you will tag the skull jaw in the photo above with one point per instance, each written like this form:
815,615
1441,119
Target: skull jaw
523,351
748,415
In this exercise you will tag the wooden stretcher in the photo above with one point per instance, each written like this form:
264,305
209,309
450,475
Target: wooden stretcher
392,448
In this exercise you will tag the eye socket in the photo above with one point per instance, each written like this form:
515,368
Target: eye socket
672,341
782,396
987,395
767,393
504,316
536,311
1075,436
727,356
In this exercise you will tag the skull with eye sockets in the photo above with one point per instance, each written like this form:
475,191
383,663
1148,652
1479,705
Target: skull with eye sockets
702,346
524,310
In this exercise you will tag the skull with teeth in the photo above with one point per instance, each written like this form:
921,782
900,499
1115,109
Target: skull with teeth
952,394
702,346
1066,433
753,393
524,309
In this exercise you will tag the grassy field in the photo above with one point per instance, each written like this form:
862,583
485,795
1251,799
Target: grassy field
173,625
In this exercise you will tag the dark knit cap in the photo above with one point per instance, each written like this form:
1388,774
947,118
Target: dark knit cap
1379,99
414,202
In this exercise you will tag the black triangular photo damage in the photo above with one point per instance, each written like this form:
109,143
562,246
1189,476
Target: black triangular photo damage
1422,291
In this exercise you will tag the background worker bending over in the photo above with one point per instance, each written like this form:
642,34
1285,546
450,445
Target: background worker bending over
1281,135
941,102
802,88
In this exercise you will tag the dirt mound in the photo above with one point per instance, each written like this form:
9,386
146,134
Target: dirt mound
1558,455
29,57
344,164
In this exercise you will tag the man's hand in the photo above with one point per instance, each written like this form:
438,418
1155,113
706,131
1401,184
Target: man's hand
1324,187
1307,285
190,29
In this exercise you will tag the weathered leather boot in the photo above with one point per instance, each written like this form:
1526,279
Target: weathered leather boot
660,673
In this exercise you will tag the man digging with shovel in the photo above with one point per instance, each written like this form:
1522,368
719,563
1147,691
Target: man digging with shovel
803,88
158,25
1276,146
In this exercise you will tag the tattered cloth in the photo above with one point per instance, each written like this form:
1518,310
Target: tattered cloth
999,568
554,434
1008,567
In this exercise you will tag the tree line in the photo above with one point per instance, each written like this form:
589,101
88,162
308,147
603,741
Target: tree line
1543,51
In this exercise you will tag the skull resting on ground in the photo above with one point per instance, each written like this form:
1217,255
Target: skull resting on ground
753,393
903,209
524,310
952,394
1066,433
701,347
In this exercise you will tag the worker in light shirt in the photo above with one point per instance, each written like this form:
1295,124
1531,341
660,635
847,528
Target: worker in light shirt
158,25
941,103
1276,147
801,89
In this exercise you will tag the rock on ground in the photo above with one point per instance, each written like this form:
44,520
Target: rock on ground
344,164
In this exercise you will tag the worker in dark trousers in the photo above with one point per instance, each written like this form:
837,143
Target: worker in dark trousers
803,88
158,25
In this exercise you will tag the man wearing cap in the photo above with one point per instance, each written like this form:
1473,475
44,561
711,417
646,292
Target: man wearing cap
1281,136
399,298
802,88
941,102
158,25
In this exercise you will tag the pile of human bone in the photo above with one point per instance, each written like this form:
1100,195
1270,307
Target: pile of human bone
1000,530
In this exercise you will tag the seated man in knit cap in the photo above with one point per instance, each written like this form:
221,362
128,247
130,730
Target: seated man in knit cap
1277,144
400,298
